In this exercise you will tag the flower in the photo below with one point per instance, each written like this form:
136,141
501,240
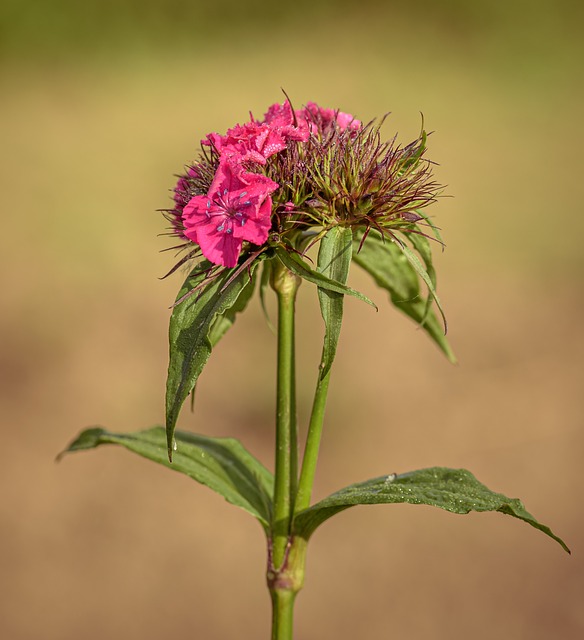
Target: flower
257,141
325,118
287,123
236,208
251,141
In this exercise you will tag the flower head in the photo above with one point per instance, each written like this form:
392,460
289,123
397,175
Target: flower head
297,173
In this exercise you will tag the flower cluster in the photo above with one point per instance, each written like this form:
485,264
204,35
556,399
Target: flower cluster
293,173
236,206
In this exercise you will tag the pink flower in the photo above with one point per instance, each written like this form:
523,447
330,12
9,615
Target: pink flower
281,119
237,207
321,118
255,141
250,141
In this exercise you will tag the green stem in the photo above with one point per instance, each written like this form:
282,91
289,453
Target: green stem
293,431
285,284
312,445
282,613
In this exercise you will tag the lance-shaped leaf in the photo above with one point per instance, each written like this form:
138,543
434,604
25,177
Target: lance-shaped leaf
392,271
190,328
455,490
294,263
334,261
222,464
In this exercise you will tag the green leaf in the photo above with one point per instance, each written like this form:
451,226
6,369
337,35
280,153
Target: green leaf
429,279
222,464
192,331
264,283
224,322
455,490
293,262
422,245
392,271
334,261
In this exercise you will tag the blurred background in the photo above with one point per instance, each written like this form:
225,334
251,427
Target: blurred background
101,103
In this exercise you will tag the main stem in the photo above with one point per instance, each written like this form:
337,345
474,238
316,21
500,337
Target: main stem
286,285
286,558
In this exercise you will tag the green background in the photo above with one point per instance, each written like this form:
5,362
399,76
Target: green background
101,103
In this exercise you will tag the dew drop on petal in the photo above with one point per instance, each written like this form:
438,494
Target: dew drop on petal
174,445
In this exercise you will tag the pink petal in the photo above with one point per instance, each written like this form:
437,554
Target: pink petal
219,248
195,208
257,229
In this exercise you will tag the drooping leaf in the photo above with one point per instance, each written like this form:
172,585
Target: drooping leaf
190,328
293,262
222,464
428,277
392,271
455,490
334,261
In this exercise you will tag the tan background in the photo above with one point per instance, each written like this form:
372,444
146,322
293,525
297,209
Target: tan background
100,106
